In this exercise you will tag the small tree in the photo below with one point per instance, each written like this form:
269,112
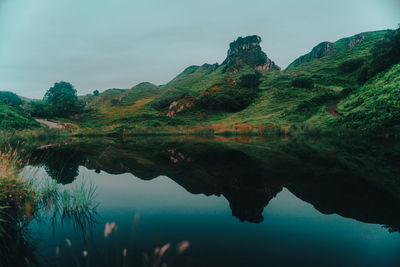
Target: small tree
96,92
62,100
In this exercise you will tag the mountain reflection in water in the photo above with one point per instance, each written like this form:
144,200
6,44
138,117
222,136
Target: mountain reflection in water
351,179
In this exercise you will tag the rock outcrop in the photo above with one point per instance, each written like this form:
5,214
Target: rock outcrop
247,51
355,40
317,52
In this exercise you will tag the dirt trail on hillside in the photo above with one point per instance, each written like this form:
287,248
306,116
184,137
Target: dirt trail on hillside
50,124
332,109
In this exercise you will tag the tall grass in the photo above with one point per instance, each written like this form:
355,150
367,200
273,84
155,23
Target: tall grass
22,200
17,209
28,137
76,205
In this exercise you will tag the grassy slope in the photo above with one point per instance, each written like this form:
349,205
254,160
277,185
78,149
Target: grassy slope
106,110
326,69
14,119
195,78
278,103
377,102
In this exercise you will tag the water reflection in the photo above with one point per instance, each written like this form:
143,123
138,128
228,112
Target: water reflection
61,163
352,180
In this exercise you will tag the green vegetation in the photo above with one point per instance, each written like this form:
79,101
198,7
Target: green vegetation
62,100
14,118
229,97
303,82
17,208
23,200
12,115
166,98
340,85
351,65
383,55
38,109
376,105
10,99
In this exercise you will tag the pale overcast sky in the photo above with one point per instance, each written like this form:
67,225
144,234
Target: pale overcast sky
100,44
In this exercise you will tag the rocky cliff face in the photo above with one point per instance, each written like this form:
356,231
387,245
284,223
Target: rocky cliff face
317,52
247,51
355,40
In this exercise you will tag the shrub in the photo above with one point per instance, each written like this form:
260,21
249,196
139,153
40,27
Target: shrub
250,80
364,75
114,102
37,109
10,99
384,54
233,98
303,82
164,100
351,65
14,118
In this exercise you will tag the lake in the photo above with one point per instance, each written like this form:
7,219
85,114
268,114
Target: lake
220,202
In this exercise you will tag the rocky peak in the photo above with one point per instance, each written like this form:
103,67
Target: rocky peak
248,51
355,40
317,52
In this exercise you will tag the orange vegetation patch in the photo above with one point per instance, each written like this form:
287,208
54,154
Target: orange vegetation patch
285,130
212,90
244,128
230,80
70,126
225,128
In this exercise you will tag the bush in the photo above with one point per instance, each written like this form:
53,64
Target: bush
14,118
164,100
364,75
384,54
250,80
351,65
38,109
114,102
303,82
233,98
10,99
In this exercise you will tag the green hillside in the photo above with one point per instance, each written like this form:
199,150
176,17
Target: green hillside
13,118
376,104
325,89
326,63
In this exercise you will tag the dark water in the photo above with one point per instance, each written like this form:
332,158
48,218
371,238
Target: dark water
228,203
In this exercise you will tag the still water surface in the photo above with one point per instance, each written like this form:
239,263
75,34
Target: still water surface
214,215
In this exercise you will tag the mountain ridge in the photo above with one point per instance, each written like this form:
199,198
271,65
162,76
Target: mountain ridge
248,88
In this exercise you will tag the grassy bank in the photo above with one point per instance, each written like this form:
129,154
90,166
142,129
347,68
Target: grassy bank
24,199
17,209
